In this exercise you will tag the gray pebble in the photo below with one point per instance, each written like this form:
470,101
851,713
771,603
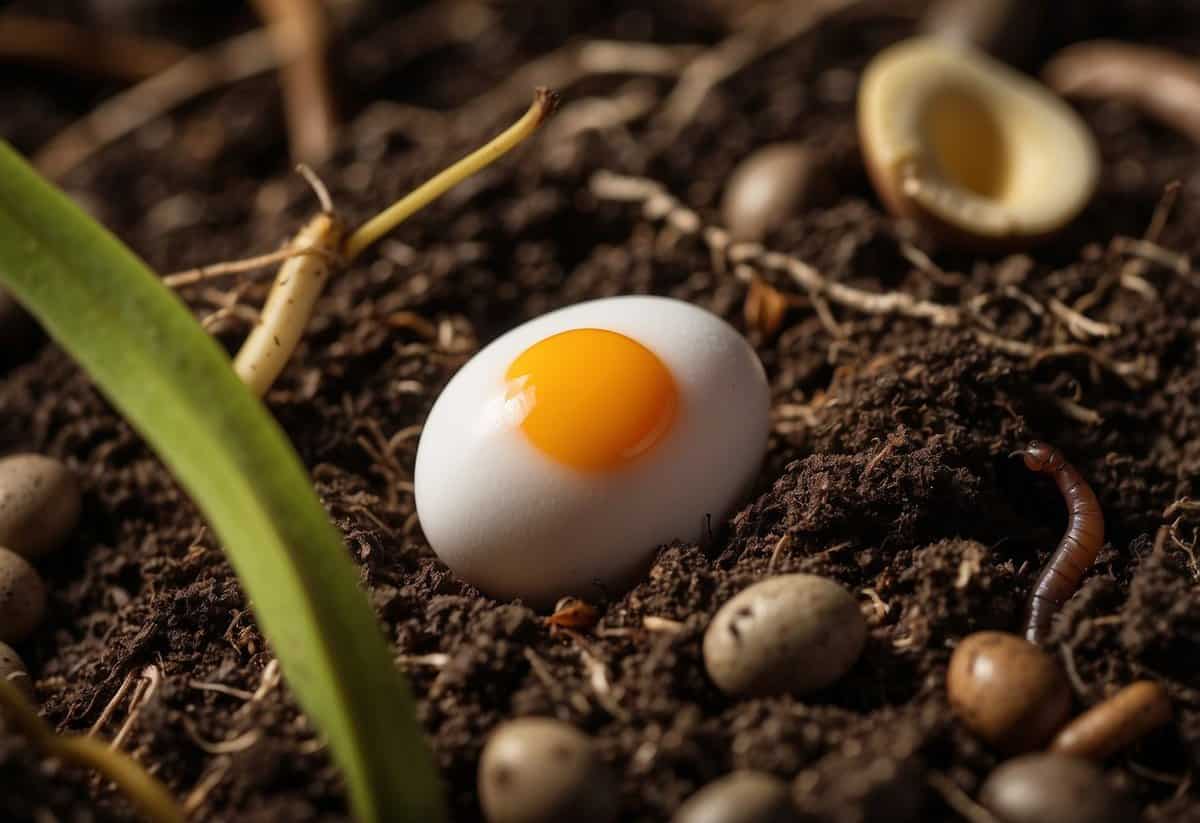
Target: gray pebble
39,504
741,797
767,188
539,770
12,669
1053,788
22,597
795,633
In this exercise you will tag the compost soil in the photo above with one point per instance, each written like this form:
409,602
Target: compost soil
888,465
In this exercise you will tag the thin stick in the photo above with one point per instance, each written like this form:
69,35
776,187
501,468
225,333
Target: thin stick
112,705
544,103
190,276
659,205
773,29
298,31
146,793
86,50
1079,324
300,280
236,59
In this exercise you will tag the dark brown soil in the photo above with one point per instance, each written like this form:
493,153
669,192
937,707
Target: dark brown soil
888,468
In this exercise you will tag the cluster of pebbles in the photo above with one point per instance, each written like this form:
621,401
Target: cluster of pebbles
39,508
797,634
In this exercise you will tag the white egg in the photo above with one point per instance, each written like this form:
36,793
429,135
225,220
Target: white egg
516,521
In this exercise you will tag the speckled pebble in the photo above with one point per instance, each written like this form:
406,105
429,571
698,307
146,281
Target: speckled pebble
539,770
741,797
39,504
22,597
1053,788
794,634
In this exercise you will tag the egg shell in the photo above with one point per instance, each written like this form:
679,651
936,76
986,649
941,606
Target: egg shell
512,521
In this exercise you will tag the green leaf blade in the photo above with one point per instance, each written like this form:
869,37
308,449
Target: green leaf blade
175,385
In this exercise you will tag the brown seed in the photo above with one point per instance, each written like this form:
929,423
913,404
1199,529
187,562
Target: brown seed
741,797
573,613
794,633
767,188
1007,690
1124,718
764,308
978,154
12,669
22,597
39,504
1053,788
538,770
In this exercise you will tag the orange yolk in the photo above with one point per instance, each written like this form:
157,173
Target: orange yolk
592,399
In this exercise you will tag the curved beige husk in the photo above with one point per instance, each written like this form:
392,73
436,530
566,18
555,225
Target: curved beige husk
979,153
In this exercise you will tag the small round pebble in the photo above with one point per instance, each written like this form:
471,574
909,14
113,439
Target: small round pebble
539,770
741,797
1053,788
795,634
39,504
12,669
1007,690
22,597
767,188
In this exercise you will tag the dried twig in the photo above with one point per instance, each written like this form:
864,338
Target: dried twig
1154,253
86,50
769,30
190,276
568,65
236,59
147,685
660,206
220,688
781,545
1078,324
299,32
111,706
1131,273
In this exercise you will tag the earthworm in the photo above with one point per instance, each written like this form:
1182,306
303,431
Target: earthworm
1078,547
